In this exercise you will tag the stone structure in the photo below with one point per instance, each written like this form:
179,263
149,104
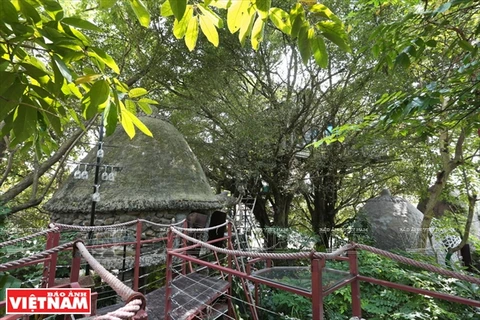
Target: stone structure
393,222
157,179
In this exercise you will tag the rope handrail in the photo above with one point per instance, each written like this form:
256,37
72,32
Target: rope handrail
202,229
266,255
120,288
109,227
92,228
126,312
163,225
422,265
40,255
31,236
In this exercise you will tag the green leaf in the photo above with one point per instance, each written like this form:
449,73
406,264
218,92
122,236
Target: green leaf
178,8
323,11
263,7
105,58
281,20
217,21
58,77
126,121
304,43
236,15
137,92
402,60
207,25
246,25
335,33
134,120
24,121
319,49
99,93
431,43
145,107
257,33
141,12
180,27
191,35
53,9
166,9
444,7
147,100
130,105
64,70
8,13
106,4
29,11
11,98
53,119
110,116
7,281
80,23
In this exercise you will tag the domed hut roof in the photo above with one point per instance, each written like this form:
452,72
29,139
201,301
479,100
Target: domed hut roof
154,174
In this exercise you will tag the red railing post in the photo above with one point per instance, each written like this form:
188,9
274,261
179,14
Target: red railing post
355,284
75,269
184,244
317,290
168,276
138,248
229,263
50,266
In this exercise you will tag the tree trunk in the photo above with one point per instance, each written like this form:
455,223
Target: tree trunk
448,165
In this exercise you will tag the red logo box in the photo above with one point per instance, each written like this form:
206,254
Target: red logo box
49,301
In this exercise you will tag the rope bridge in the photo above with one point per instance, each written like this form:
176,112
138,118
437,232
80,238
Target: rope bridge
191,277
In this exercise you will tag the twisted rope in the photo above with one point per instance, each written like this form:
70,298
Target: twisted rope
265,255
162,225
202,229
92,228
120,288
34,235
40,255
126,312
418,264
110,227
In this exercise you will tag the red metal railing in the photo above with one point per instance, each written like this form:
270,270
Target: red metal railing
179,236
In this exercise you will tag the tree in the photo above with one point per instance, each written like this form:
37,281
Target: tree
443,54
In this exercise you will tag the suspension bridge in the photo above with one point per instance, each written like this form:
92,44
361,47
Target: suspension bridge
186,275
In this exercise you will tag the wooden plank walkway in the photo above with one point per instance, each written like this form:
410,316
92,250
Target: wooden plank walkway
190,294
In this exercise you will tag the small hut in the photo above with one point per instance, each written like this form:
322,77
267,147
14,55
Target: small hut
157,179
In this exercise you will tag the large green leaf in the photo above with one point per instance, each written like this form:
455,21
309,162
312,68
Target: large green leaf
29,11
178,8
24,121
191,34
257,33
263,7
141,12
62,68
11,97
335,33
105,58
207,25
137,92
319,49
281,20
217,21
8,13
235,15
80,23
180,27
99,93
304,43
166,9
246,25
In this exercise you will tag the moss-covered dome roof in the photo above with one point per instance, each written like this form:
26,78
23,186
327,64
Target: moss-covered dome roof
159,173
